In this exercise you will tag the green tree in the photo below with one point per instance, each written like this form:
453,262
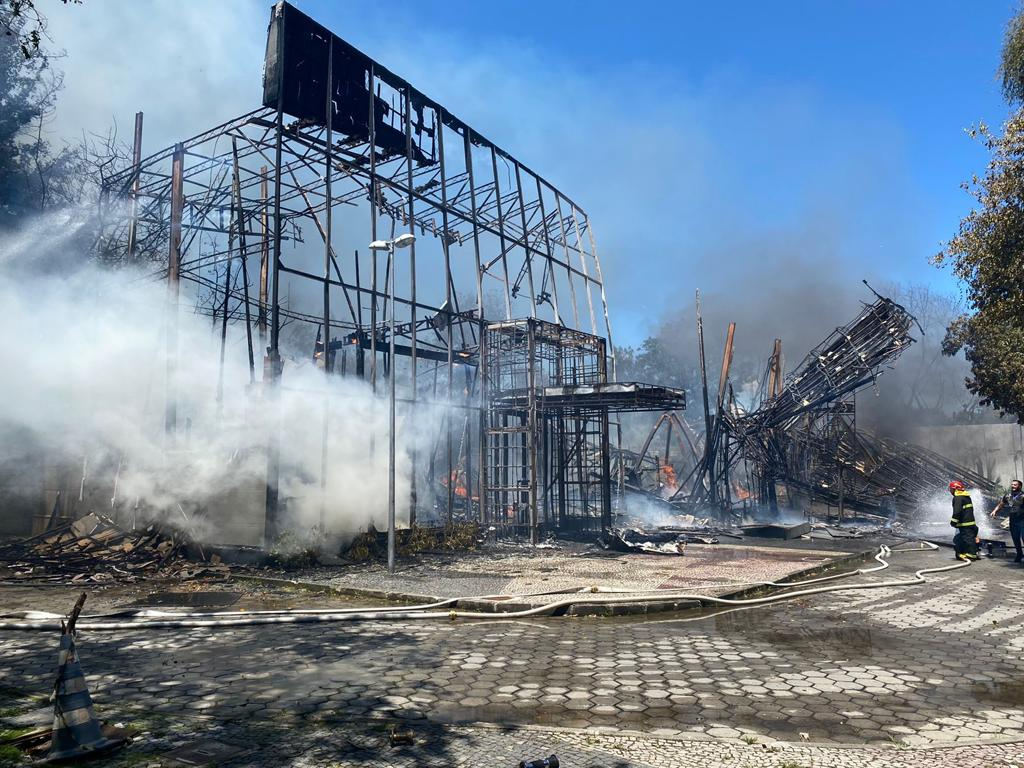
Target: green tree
1011,61
987,254
28,93
25,26
35,175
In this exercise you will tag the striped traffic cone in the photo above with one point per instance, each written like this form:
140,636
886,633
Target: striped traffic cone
76,731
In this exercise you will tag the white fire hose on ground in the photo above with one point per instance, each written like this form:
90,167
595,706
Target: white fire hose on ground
427,611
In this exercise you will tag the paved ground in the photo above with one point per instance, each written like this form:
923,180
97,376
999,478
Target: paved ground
517,570
901,677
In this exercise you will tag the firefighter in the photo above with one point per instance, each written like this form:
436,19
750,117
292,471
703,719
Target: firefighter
965,542
1013,503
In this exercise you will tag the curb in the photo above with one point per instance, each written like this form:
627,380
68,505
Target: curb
607,731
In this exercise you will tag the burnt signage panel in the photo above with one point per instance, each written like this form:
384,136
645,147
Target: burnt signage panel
305,59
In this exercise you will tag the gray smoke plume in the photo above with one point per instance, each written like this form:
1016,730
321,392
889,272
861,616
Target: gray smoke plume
86,380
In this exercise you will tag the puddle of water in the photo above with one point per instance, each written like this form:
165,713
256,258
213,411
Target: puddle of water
752,553
211,599
1000,692
823,637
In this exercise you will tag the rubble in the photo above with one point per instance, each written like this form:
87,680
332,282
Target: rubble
777,530
95,549
801,446
372,545
846,361
655,542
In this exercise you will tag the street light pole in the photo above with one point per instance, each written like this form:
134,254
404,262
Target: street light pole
391,408
402,241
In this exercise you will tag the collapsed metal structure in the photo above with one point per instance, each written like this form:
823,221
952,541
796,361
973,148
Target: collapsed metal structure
802,439
505,269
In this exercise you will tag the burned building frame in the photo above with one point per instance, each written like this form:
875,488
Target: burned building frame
341,153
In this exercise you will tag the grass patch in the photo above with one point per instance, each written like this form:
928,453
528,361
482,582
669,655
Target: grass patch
10,756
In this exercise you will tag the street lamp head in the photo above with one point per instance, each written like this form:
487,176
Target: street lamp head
404,241
380,245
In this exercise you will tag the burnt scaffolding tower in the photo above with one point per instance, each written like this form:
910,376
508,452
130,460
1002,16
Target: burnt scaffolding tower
268,216
546,427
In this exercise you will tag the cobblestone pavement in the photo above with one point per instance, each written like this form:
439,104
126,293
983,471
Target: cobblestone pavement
895,672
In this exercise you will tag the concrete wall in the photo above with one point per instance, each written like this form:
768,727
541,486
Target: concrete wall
991,449
29,488
237,517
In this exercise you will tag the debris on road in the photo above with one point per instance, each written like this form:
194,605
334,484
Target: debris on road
401,738
544,762
777,530
95,549
657,543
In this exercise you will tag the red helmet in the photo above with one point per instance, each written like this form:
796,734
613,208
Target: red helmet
956,485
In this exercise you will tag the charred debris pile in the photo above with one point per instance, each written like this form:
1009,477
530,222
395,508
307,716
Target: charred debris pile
94,549
795,453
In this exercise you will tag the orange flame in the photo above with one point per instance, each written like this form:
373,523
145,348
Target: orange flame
458,481
668,480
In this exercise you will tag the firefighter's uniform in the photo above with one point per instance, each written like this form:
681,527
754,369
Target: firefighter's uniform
965,542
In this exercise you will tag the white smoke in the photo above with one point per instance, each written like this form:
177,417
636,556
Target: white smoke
937,509
85,378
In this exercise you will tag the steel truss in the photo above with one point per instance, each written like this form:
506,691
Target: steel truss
803,438
546,437
268,216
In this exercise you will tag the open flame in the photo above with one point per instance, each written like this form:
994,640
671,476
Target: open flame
667,480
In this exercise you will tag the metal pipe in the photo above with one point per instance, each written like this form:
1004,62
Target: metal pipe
224,321
174,286
328,258
411,413
372,190
272,364
240,219
261,317
133,222
391,408
450,364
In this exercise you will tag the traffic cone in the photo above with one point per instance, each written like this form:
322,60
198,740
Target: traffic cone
76,731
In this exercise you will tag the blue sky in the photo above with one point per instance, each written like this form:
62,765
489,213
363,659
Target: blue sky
832,130
739,148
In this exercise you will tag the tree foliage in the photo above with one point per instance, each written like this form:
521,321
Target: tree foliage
28,91
1011,62
36,175
24,26
987,254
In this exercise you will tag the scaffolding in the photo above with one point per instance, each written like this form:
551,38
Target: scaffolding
267,216
546,457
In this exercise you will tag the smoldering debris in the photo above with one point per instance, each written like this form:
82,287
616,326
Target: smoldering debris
664,540
777,530
95,549
372,544
635,540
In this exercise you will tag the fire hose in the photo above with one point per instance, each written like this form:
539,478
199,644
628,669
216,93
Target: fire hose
157,620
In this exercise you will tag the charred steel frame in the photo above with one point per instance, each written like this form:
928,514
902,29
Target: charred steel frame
546,456
343,144
803,436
